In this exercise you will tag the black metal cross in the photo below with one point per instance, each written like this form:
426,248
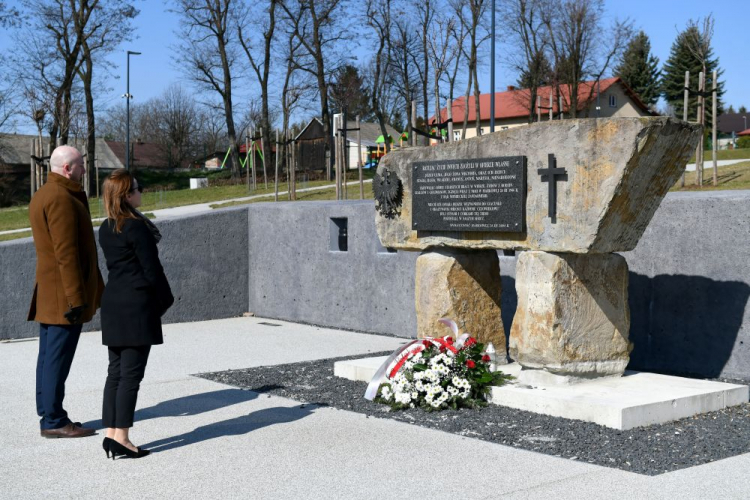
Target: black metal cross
551,172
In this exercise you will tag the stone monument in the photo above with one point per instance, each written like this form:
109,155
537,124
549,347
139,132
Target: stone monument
569,194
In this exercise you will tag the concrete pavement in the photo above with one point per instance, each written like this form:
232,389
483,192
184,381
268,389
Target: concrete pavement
215,441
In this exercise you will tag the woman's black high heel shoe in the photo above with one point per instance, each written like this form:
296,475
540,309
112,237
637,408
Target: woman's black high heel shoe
105,445
118,449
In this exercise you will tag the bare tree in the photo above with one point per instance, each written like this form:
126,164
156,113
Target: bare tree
101,27
265,27
405,77
53,24
425,15
458,36
576,32
698,41
530,41
471,14
210,52
9,16
318,29
441,50
379,19
176,125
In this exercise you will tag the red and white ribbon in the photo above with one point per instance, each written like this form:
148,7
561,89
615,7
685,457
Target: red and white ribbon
400,356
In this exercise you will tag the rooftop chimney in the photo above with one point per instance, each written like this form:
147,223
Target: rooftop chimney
511,88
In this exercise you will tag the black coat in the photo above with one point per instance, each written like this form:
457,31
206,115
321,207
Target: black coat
137,292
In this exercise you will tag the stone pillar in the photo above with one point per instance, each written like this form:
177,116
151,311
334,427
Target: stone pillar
465,286
573,316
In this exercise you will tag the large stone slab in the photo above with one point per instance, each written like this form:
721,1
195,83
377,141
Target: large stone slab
465,286
618,171
572,316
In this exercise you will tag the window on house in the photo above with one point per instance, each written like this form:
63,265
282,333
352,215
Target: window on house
456,135
612,101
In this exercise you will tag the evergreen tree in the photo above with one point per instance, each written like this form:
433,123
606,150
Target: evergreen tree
639,69
682,59
538,74
348,89
731,110
742,109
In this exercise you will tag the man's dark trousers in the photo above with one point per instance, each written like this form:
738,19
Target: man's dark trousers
57,346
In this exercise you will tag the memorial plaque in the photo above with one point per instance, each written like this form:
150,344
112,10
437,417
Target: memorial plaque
481,194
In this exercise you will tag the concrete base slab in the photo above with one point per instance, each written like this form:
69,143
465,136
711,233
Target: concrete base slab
634,400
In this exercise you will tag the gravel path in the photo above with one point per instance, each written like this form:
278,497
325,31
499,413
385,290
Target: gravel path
649,450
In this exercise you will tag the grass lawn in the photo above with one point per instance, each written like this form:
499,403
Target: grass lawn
157,196
725,154
735,176
319,195
15,236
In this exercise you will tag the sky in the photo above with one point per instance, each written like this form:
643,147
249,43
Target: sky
157,30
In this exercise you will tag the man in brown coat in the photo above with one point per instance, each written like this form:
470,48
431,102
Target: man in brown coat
68,284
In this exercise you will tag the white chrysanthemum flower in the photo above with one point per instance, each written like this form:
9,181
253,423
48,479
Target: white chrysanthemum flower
386,393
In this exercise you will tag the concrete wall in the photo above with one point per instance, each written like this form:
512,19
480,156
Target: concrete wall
204,257
689,280
296,276
690,284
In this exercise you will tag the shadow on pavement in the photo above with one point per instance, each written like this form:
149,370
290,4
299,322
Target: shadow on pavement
233,427
194,404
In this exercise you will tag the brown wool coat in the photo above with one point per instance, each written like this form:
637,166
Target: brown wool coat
67,270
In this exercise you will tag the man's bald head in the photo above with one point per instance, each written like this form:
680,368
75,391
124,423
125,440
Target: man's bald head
68,162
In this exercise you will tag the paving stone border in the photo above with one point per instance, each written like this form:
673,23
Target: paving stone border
651,450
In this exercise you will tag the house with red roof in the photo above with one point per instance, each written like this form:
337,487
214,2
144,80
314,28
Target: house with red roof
512,107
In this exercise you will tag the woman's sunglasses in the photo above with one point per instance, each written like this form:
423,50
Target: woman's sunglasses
138,188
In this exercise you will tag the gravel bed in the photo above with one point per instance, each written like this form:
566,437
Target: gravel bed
651,450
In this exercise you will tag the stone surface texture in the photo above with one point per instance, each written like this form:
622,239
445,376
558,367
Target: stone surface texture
618,172
464,286
573,316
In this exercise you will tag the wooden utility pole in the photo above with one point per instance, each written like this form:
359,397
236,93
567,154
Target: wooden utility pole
550,104
359,162
252,149
714,119
263,157
276,173
32,167
336,156
294,166
538,108
685,103
96,166
247,159
449,118
344,151
86,177
701,121
413,137
288,162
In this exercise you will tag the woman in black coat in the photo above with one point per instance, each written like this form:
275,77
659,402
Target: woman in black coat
135,298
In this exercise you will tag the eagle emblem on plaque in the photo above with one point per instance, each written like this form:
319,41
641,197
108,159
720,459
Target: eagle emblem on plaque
388,192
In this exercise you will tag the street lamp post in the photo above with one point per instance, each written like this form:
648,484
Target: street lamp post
128,97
